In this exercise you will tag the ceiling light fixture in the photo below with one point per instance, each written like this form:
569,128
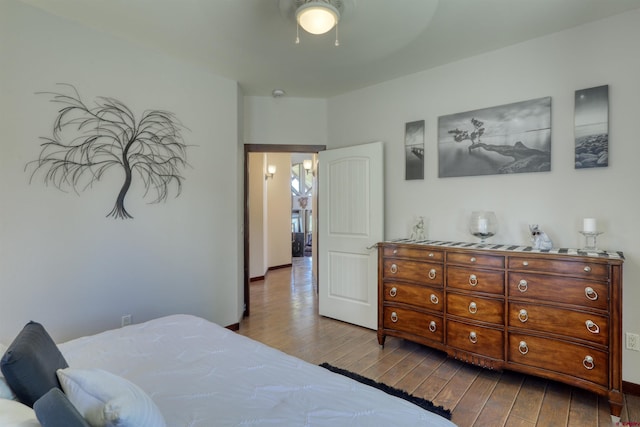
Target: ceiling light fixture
318,17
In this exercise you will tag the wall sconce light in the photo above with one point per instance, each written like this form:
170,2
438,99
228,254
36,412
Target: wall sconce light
307,164
271,170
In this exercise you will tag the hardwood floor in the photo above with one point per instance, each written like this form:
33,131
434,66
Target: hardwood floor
284,310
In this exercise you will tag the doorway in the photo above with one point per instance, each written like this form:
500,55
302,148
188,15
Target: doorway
262,148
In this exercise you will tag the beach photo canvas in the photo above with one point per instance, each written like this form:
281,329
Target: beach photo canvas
414,150
592,127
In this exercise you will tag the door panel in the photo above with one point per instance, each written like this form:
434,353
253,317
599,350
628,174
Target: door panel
350,222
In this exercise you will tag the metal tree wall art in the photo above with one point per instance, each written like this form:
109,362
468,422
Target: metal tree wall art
88,141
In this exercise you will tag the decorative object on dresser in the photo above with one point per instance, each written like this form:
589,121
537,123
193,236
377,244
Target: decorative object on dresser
483,224
417,232
590,233
539,238
553,313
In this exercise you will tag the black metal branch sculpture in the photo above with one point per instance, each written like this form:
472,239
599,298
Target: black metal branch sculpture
88,141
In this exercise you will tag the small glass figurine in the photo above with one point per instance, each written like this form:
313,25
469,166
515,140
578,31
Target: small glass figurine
483,224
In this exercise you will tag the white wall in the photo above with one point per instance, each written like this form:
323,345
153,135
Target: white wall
604,52
289,121
257,215
62,262
278,198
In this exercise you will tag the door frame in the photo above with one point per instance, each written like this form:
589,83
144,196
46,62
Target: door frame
262,148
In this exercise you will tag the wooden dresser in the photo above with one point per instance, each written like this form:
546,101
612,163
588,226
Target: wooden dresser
555,314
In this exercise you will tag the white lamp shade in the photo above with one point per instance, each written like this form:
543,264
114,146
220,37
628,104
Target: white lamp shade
271,169
306,164
317,17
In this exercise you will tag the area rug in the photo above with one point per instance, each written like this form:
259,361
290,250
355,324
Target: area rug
423,403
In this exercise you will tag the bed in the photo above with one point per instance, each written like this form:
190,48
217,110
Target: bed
198,374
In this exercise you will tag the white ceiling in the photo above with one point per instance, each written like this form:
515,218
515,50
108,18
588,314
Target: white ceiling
253,41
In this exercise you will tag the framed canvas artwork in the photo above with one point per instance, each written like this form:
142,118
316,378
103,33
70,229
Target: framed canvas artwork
592,127
510,138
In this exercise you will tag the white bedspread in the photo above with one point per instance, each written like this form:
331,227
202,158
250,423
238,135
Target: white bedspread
202,375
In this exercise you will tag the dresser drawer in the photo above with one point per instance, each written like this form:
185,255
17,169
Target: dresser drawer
475,258
475,339
477,308
427,273
413,322
582,268
554,355
476,280
559,289
413,252
421,296
570,323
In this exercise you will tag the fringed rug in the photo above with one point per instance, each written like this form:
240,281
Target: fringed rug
423,403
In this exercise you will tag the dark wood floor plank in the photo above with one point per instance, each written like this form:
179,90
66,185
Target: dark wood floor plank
284,315
529,400
498,406
470,405
555,406
457,386
583,410
421,373
633,409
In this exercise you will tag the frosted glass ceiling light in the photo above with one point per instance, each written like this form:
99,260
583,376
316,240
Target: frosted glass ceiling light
318,17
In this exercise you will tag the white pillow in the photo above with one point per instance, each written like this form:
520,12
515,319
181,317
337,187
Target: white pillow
16,414
107,400
5,391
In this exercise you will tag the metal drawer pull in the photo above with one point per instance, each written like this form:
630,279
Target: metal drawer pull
473,280
473,259
431,254
395,252
473,308
393,292
592,327
590,293
432,273
587,269
523,315
588,362
523,285
394,268
473,337
434,299
525,263
394,317
432,326
523,348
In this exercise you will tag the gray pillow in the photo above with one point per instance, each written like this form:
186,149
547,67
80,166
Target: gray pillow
54,410
30,364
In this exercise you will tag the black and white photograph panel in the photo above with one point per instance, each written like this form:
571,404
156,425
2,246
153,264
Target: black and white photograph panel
592,127
414,150
510,138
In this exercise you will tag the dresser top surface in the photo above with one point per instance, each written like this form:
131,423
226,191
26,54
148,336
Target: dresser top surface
512,248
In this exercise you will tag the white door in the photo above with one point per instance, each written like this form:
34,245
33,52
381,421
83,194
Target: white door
350,223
